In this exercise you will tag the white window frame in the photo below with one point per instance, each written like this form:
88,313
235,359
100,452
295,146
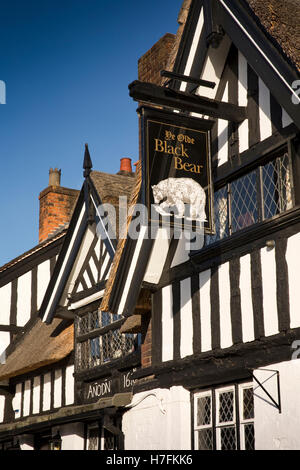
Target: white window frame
204,394
227,424
243,421
215,424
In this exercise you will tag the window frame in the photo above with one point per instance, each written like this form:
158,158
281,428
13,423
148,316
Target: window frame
255,166
93,339
238,421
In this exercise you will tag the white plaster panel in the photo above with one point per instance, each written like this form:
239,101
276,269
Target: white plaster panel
47,392
186,319
72,436
43,278
5,300
4,343
225,313
2,406
159,420
24,299
223,134
268,268
158,256
36,394
69,385
57,388
264,110
193,48
26,402
274,430
246,299
167,324
243,100
292,258
205,310
16,402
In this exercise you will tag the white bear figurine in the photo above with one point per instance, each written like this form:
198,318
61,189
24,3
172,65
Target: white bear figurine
178,191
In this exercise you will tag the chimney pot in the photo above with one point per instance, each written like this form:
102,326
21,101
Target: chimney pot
54,177
126,165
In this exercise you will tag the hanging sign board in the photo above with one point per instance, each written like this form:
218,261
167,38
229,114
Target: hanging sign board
176,166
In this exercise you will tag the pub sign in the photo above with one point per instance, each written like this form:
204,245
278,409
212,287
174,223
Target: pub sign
176,167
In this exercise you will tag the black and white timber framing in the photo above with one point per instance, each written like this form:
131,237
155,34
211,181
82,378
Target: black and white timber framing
85,259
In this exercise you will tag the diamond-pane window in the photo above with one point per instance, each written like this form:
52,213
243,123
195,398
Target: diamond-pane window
228,438
249,436
221,216
248,403
205,439
226,407
93,347
224,418
204,411
244,205
93,439
264,192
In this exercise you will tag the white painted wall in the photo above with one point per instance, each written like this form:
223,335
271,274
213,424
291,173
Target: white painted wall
36,394
43,276
5,299
161,420
16,402
26,442
4,342
186,319
26,403
225,314
47,392
167,324
274,430
2,405
24,299
57,388
69,385
72,436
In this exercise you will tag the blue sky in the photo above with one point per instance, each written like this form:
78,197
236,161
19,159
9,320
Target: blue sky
67,65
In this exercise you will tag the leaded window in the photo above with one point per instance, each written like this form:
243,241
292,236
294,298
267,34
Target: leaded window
99,438
259,195
99,340
224,418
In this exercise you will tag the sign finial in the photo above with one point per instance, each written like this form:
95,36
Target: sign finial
87,162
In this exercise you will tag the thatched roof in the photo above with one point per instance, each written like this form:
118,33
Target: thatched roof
41,345
281,20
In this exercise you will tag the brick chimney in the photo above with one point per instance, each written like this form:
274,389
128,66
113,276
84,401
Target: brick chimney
155,60
56,205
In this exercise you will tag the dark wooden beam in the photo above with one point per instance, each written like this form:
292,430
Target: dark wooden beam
157,95
11,328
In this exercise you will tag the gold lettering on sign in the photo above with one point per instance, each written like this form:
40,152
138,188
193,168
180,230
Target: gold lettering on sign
163,146
191,167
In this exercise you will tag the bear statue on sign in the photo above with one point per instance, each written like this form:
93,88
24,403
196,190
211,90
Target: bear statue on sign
178,191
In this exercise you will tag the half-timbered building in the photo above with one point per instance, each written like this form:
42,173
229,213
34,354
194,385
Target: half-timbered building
224,319
135,340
